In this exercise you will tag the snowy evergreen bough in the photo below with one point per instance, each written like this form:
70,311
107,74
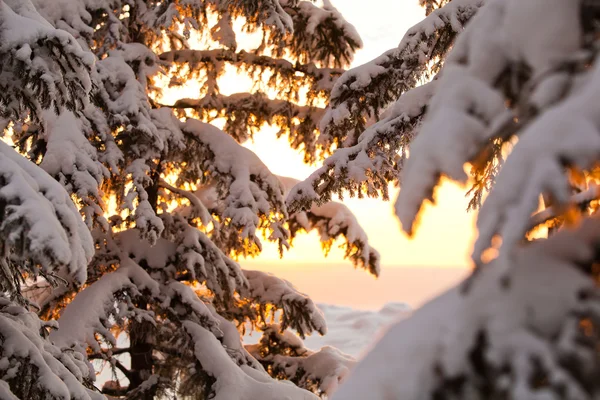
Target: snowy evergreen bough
123,215
505,100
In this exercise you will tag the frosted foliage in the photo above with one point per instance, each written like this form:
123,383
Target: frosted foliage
31,366
89,312
233,382
124,94
512,330
77,17
293,74
299,311
189,251
251,196
73,161
154,282
39,222
61,75
368,166
366,90
319,23
331,220
472,93
285,355
247,112
568,132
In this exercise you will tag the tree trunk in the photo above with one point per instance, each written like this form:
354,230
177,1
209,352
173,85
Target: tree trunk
142,363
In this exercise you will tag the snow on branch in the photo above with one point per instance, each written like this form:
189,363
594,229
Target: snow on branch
284,355
101,24
320,33
102,304
73,161
232,381
183,303
198,209
32,367
567,135
580,199
369,166
123,93
475,106
431,5
366,90
252,198
331,219
321,78
269,12
41,230
298,310
182,251
42,67
248,112
522,327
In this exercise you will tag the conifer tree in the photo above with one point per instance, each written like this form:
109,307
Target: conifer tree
123,216
505,90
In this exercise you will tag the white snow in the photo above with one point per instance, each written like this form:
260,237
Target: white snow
57,373
233,382
298,309
41,210
253,192
467,111
519,318
87,314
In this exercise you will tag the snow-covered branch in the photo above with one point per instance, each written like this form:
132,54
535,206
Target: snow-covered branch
40,227
321,35
31,366
199,209
247,113
475,92
521,327
252,197
233,382
91,311
41,67
366,90
322,79
370,165
298,310
581,199
332,220
284,355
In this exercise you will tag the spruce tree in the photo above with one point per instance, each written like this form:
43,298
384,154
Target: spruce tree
500,95
123,217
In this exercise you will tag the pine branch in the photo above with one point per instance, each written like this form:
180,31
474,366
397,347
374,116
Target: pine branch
365,91
247,102
370,165
247,113
121,368
325,76
580,199
106,353
202,211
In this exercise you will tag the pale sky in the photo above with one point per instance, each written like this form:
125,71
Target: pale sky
445,235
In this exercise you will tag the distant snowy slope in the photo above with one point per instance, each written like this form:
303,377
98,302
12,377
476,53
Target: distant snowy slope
350,330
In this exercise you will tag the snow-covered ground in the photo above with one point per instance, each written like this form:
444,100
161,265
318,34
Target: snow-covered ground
350,330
